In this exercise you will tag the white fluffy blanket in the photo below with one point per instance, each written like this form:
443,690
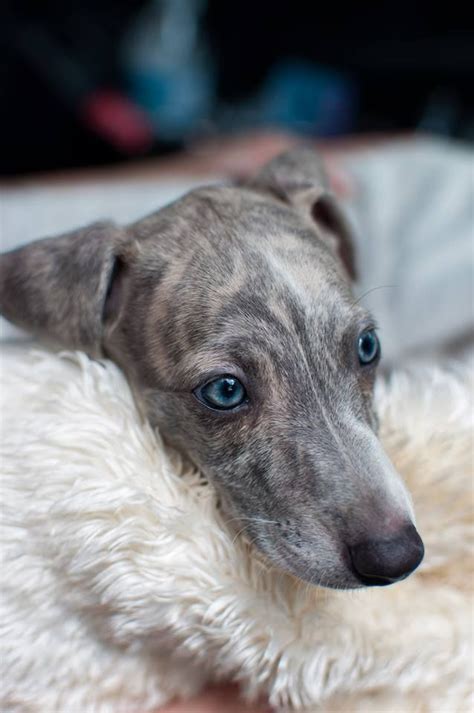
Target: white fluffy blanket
122,586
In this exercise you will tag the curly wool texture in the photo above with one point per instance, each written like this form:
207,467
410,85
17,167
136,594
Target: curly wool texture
122,586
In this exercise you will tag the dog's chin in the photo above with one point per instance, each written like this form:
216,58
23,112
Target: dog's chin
339,577
333,575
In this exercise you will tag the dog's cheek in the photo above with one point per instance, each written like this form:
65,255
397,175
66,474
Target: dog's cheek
206,438
374,420
364,403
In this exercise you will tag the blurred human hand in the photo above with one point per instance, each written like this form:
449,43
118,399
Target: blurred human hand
224,699
241,155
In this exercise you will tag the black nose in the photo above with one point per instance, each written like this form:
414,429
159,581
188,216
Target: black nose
379,562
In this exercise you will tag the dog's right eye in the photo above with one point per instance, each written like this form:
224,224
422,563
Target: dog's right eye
368,347
224,393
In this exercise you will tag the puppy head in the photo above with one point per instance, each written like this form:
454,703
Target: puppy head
230,311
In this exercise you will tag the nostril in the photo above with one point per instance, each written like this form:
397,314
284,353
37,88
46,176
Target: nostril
379,562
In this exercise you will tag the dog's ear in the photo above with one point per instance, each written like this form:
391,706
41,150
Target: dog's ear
298,178
63,288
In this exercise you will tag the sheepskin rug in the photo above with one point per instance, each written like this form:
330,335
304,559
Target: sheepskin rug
123,586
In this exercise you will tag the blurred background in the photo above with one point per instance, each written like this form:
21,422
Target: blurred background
91,82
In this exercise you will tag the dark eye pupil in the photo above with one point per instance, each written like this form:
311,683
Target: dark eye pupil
228,387
369,347
226,392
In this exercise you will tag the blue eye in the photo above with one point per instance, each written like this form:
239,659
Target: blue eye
368,347
224,393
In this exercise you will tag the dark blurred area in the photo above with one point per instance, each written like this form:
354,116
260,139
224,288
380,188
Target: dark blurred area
90,82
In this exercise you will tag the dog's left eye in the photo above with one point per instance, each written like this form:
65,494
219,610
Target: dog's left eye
368,347
224,393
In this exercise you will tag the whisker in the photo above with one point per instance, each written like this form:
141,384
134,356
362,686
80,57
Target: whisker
372,289
251,519
238,533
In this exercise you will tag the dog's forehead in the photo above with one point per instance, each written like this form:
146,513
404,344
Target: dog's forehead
233,208
278,334
221,217
217,237
246,274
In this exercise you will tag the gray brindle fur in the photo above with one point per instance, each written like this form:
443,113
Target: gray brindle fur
252,281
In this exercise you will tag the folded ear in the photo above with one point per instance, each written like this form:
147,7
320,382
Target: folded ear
298,178
58,287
